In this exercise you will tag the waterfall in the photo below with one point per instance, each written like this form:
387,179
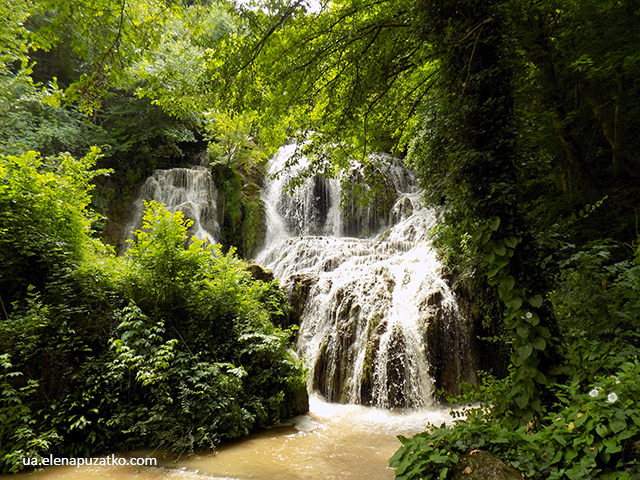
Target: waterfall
189,190
374,310
311,209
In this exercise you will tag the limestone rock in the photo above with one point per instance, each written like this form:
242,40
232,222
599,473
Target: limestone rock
449,347
298,288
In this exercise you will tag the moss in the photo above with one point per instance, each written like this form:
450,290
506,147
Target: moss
241,213
254,227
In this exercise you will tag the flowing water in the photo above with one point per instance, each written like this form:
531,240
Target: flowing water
330,442
189,190
379,328
371,308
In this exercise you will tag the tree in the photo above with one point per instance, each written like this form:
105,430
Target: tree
45,218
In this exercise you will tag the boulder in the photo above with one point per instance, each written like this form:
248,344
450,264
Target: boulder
260,273
298,288
482,465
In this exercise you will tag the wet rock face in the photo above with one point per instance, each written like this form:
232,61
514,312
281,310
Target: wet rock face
404,209
298,288
377,328
333,368
363,217
449,349
260,273
397,365
308,210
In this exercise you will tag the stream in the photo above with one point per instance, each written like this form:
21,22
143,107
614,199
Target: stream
332,441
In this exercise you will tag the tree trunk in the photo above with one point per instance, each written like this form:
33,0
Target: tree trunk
540,55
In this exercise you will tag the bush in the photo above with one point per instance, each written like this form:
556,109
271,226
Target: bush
171,346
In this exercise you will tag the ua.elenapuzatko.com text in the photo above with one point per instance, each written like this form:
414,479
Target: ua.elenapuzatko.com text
80,462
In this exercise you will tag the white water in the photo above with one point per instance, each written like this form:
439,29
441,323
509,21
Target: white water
311,209
368,295
189,190
363,328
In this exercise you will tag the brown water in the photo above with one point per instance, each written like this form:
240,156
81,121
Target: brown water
330,442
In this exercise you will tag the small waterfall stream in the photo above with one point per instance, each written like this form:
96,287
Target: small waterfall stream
189,190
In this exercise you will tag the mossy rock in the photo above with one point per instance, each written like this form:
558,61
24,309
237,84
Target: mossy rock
482,465
299,287
260,273
254,226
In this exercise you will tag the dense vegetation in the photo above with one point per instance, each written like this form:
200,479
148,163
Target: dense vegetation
519,117
167,346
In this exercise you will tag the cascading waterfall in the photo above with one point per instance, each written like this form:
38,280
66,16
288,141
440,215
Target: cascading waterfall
189,190
374,307
311,209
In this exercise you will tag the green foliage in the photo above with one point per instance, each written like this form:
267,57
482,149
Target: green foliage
170,346
119,34
44,217
241,214
174,75
231,139
19,437
584,436
138,137
354,73
590,429
12,37
254,228
593,286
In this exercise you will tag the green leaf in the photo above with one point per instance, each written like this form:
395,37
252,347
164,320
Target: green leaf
612,445
533,320
499,248
570,454
402,465
491,273
508,283
536,301
523,330
524,351
489,257
502,262
514,304
516,359
511,242
522,401
541,378
539,343
618,426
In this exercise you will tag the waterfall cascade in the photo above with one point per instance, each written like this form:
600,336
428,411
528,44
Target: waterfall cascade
190,190
378,325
